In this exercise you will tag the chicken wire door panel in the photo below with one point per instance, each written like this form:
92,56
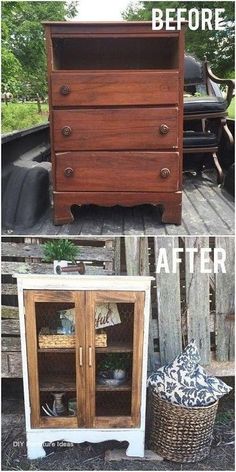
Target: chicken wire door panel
115,351
55,346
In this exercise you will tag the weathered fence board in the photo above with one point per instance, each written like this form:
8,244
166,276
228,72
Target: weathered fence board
41,268
10,312
225,309
197,300
132,254
11,364
137,263
168,303
10,327
86,253
11,344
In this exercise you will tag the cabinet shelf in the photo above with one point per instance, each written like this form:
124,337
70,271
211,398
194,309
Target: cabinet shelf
120,388
55,383
115,348
56,350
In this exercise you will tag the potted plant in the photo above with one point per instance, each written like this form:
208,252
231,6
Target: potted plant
114,366
60,252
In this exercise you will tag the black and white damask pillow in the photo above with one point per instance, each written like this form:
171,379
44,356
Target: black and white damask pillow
185,382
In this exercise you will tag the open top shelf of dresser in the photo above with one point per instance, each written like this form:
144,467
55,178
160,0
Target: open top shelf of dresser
125,53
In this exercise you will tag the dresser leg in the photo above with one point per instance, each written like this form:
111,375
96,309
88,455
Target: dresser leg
35,451
172,213
62,214
136,447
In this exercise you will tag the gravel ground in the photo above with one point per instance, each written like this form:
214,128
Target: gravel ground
88,456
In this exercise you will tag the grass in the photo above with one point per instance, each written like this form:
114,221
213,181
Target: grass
231,109
17,116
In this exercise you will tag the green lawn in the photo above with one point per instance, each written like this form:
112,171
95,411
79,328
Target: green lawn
231,109
17,116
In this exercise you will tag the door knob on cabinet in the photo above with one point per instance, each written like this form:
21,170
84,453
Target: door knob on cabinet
66,131
65,90
165,172
164,129
68,172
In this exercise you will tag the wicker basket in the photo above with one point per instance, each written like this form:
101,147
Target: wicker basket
63,341
56,341
101,340
181,434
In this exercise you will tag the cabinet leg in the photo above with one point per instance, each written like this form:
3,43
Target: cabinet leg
62,214
172,213
35,450
136,447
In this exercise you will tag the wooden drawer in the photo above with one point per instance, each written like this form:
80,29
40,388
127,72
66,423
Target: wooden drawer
115,129
117,171
115,88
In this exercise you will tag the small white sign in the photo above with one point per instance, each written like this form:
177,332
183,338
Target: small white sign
106,314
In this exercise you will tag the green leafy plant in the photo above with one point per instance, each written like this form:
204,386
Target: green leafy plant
60,249
114,361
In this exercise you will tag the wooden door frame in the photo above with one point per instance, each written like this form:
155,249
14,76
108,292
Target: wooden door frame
30,298
119,296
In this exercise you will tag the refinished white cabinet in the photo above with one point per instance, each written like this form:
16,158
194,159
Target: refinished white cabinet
84,346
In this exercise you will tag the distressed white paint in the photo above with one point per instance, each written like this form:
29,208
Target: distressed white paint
36,437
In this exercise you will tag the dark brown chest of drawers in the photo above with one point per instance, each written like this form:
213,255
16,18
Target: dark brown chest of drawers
116,113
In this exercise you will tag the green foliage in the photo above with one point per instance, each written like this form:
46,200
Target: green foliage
60,249
218,46
114,361
23,44
17,116
231,109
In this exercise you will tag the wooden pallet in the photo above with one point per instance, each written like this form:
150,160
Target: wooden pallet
101,256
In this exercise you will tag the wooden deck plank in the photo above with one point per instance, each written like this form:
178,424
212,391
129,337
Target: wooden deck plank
225,211
193,221
113,221
152,221
133,221
207,209
213,222
93,221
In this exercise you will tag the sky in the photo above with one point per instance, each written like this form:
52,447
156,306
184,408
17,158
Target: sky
101,10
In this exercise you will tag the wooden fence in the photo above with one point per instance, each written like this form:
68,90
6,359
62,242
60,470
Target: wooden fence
188,305
23,255
184,305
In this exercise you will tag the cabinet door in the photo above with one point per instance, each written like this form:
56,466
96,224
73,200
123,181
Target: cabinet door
114,344
55,336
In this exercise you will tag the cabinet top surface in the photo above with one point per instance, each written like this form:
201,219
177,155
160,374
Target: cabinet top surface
107,26
82,282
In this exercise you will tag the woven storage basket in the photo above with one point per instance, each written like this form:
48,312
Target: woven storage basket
181,434
101,340
54,341
63,341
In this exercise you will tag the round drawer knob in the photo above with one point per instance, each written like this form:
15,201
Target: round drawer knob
66,131
68,172
164,129
65,90
165,173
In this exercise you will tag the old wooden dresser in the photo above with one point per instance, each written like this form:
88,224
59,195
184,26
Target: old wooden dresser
116,112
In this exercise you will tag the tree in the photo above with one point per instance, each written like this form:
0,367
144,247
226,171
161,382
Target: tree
218,46
23,44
